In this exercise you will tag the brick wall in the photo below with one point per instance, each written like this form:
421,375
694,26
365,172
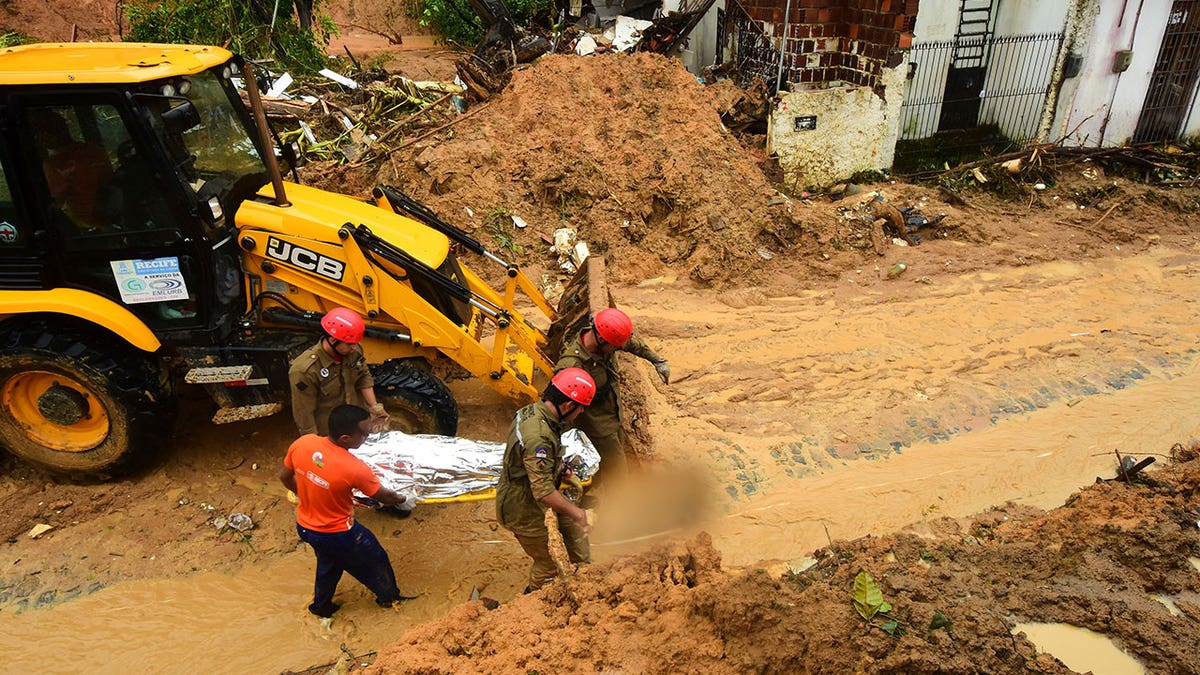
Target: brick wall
851,41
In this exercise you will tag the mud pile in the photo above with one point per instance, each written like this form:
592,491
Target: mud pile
627,149
1094,563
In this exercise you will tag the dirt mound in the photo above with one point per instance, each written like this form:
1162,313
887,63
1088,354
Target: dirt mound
55,21
1094,563
627,149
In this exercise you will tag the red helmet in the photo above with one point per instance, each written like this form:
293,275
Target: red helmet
344,325
613,326
575,384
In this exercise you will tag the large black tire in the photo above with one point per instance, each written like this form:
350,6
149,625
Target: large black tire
81,403
417,401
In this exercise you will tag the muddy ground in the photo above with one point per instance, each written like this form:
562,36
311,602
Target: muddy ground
933,429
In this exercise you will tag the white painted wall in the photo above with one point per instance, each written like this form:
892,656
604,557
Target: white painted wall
856,131
701,49
1100,107
938,19
1024,17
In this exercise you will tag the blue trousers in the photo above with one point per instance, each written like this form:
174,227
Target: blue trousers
356,551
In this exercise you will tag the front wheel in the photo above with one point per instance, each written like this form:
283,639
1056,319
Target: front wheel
78,404
416,400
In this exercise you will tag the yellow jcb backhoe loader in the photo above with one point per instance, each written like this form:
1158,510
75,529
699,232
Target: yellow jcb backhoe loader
146,232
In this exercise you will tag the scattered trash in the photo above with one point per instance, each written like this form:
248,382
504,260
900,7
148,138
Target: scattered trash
842,190
1013,165
764,253
586,46
896,270
240,522
627,32
801,565
571,253
280,85
1039,186
39,529
979,175
519,222
459,103
340,79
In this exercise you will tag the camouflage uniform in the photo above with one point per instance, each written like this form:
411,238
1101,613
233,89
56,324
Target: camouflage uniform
602,419
533,460
320,384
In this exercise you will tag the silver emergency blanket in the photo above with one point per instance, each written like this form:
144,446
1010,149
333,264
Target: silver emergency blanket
442,467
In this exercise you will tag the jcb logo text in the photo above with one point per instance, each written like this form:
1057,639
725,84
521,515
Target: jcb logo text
305,259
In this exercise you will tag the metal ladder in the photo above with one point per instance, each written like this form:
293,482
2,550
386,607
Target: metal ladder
974,29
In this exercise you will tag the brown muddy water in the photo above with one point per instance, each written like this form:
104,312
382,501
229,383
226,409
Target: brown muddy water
811,416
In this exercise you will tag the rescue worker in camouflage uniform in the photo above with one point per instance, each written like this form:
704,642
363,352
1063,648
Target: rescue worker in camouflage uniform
533,470
334,372
594,350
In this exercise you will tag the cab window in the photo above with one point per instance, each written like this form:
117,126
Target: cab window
102,187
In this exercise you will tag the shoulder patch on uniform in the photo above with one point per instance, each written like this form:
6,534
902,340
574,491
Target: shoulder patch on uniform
301,386
541,452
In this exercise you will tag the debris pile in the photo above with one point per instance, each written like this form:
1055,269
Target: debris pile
940,598
628,149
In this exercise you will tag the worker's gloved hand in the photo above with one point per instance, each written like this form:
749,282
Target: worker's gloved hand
380,421
664,371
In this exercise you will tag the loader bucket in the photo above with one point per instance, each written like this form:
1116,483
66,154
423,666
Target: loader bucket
586,294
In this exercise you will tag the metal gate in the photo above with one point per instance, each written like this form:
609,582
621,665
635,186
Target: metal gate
1173,82
953,109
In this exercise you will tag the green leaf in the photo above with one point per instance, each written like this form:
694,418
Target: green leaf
890,627
939,621
868,599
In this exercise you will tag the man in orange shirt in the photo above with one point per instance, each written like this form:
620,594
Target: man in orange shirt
323,474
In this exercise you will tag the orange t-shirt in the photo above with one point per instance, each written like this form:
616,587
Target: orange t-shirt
326,473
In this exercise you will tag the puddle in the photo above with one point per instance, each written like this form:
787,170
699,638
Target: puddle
1080,649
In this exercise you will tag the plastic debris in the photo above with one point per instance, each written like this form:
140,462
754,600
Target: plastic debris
240,522
586,46
628,32
39,529
340,79
519,223
280,85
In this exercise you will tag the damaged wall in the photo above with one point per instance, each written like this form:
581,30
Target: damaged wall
700,48
823,136
843,61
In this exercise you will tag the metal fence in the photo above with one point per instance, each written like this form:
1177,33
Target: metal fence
957,107
755,55
1172,90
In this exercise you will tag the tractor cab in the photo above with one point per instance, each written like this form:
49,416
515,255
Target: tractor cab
131,188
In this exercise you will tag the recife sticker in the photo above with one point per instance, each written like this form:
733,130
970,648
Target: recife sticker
8,233
318,459
153,280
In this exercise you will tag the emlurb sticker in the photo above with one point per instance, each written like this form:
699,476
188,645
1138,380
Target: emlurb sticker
541,453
